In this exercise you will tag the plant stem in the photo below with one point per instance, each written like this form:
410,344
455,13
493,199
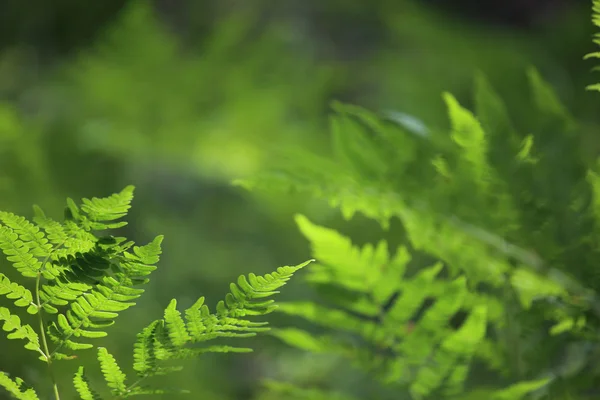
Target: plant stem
43,336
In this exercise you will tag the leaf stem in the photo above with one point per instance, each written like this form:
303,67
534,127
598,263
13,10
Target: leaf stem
43,336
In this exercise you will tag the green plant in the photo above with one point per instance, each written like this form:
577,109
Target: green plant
507,218
596,21
82,277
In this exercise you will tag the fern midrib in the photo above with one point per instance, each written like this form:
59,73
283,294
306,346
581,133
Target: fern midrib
48,355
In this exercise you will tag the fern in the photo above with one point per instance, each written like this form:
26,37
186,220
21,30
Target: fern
596,21
487,271
404,344
22,296
82,386
12,324
84,277
14,388
173,336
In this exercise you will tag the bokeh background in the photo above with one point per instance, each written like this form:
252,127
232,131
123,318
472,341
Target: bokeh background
180,97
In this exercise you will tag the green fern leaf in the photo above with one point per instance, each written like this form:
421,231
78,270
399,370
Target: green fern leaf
451,361
141,262
108,208
28,233
176,325
162,347
12,324
531,286
186,353
149,254
167,339
114,377
240,302
304,340
469,135
82,386
470,334
68,239
361,268
144,359
22,296
98,286
596,21
18,253
327,317
14,388
547,102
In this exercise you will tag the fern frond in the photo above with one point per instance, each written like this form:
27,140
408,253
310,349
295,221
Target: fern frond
114,377
531,286
68,238
175,324
99,285
469,135
243,300
18,253
170,338
108,208
22,296
332,318
595,21
306,341
29,234
12,324
418,347
457,348
141,262
362,268
548,103
144,357
82,385
14,388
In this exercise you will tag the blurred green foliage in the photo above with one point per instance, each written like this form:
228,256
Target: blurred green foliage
181,103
